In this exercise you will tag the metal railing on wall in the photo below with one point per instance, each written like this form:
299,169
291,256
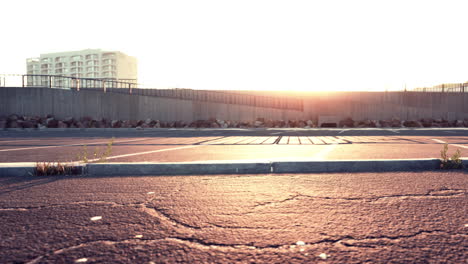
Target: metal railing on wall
445,88
68,82
118,86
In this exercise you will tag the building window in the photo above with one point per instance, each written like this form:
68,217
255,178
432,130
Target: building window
108,61
92,63
76,58
91,56
59,59
76,64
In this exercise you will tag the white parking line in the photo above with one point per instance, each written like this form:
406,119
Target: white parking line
276,133
455,145
19,140
147,152
72,145
460,146
344,130
321,155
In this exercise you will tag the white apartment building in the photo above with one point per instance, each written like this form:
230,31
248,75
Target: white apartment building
88,63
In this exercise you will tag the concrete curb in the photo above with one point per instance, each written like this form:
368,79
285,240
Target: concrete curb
177,168
356,166
28,168
260,167
17,169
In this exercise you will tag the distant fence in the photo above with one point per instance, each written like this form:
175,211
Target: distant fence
68,82
117,86
445,88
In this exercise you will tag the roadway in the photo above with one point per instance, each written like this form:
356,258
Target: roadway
301,218
181,145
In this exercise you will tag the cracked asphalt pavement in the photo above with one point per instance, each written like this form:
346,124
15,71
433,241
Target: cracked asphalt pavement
299,218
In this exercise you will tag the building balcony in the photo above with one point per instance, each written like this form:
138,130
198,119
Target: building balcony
76,69
59,59
92,57
109,74
76,64
108,55
108,62
76,58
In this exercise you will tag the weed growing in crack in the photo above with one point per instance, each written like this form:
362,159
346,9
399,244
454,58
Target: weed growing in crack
97,156
453,162
83,156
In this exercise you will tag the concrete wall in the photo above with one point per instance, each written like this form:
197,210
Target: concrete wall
96,104
385,105
358,105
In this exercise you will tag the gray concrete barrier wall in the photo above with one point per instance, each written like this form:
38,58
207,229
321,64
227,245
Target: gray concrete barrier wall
358,105
64,103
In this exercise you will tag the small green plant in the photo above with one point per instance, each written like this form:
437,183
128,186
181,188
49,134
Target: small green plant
83,156
97,155
108,151
453,162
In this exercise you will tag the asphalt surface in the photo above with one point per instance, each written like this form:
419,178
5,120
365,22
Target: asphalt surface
301,218
181,145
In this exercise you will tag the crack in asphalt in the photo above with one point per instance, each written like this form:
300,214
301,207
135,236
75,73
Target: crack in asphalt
294,197
240,227
348,242
195,242
160,214
434,193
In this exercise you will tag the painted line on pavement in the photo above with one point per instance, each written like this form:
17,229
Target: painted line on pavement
72,145
276,133
324,152
455,145
344,130
460,146
146,152
19,140
392,130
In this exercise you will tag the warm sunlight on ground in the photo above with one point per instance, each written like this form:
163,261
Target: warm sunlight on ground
254,45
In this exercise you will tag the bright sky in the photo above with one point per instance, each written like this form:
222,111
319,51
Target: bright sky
257,45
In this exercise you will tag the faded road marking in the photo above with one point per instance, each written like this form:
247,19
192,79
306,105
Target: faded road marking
147,152
72,145
439,141
321,155
460,146
21,140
